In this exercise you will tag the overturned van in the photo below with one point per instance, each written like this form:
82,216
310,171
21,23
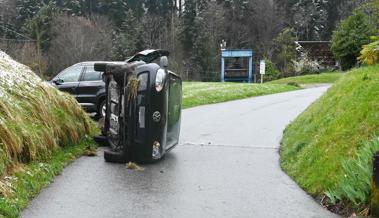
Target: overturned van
143,108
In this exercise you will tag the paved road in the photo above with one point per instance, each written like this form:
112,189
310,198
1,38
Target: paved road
226,166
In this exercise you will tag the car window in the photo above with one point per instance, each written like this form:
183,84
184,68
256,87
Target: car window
91,74
71,74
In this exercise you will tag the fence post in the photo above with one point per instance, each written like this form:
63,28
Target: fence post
374,205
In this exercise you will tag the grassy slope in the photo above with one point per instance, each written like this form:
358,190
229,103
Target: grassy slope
198,93
318,146
37,122
310,79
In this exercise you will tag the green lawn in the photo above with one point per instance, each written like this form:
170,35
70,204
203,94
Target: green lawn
310,79
201,93
328,148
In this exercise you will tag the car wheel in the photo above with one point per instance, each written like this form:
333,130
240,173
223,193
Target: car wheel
102,109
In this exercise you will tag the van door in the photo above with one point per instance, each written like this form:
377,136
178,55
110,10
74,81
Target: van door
174,110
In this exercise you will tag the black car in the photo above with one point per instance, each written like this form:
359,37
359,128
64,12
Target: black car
143,108
85,84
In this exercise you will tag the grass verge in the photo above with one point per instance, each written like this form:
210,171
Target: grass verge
328,148
310,79
200,93
28,180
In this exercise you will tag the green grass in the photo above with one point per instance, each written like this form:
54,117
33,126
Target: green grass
200,93
29,179
310,79
327,143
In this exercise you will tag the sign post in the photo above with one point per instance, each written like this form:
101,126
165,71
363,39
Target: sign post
262,69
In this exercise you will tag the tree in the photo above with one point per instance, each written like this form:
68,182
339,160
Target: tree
310,18
195,38
285,49
39,28
8,15
79,39
116,10
128,39
350,36
316,19
370,52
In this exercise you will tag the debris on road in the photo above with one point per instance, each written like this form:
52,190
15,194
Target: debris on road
134,166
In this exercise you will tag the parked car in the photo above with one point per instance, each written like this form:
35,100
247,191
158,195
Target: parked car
143,108
85,84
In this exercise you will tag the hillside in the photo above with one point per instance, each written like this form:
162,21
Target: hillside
328,148
37,126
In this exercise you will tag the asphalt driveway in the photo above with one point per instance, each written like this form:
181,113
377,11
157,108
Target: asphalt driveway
227,165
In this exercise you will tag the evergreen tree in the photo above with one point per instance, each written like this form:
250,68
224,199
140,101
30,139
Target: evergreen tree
116,10
285,50
351,35
128,39
195,38
310,18
160,7
27,9
188,28
39,27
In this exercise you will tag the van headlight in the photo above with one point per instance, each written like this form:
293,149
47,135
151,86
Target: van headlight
159,80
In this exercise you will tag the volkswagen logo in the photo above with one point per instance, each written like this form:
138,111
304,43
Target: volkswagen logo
156,116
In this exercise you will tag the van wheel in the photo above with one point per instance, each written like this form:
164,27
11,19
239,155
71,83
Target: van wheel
101,111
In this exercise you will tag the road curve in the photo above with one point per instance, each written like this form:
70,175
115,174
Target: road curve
227,165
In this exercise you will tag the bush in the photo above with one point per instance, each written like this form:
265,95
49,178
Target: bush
306,66
292,83
350,36
370,52
271,72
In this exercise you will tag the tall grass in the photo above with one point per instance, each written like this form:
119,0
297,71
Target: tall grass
35,118
354,185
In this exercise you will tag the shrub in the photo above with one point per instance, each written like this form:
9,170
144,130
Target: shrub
306,66
292,83
370,52
271,72
350,36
